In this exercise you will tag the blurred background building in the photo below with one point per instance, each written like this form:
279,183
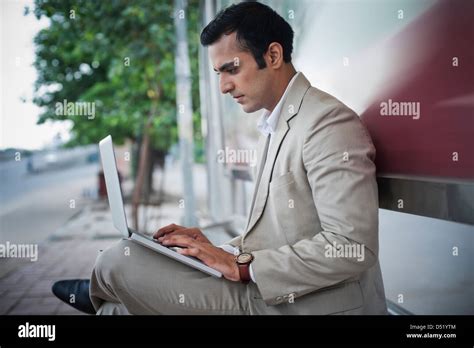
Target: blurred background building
365,52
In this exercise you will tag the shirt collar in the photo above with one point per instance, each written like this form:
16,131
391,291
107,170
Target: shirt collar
269,120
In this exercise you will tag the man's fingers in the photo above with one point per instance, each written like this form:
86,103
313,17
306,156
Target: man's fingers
179,240
191,232
169,234
189,252
197,252
167,229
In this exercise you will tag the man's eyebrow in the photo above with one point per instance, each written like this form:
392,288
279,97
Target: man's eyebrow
225,66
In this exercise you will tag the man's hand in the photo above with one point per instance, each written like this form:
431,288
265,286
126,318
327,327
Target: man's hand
174,230
212,256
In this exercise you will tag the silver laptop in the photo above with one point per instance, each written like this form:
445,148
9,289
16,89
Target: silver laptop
120,220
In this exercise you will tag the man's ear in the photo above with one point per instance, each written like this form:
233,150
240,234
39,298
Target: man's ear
274,55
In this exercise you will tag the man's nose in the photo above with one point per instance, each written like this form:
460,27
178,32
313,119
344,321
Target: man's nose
225,85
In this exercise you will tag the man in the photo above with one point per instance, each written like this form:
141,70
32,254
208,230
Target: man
311,242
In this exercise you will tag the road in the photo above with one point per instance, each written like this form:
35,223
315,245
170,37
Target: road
33,206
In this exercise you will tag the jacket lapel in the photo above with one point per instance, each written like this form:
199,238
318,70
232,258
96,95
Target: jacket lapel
261,152
290,108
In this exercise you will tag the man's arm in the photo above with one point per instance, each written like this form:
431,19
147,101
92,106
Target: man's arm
345,195
236,251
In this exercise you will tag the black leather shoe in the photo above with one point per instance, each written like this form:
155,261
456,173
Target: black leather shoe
63,289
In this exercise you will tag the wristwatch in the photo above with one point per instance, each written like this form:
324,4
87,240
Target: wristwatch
243,262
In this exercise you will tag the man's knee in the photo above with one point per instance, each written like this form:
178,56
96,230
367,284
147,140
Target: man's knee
107,275
111,261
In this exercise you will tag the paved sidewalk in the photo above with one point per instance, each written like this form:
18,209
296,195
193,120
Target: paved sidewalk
69,253
27,290
72,250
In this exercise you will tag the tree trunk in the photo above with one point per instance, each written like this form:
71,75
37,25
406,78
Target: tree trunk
143,168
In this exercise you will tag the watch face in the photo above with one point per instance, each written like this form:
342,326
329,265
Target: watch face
244,258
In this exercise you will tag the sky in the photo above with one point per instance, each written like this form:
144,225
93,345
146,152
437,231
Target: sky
18,126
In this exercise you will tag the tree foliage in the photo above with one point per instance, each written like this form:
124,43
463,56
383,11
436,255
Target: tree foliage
119,55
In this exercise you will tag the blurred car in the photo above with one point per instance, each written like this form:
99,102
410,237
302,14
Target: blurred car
61,158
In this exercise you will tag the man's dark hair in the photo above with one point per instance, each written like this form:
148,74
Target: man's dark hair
256,26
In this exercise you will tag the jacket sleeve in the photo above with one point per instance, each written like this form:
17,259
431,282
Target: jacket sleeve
235,242
338,156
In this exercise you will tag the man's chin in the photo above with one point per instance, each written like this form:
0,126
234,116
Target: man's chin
250,108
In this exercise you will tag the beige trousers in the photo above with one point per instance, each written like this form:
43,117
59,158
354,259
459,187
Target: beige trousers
130,279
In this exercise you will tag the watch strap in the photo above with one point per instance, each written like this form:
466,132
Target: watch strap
244,271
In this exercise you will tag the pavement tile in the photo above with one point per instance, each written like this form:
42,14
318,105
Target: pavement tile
14,293
26,307
41,288
65,309
28,269
27,278
50,300
33,310
6,303
12,278
16,287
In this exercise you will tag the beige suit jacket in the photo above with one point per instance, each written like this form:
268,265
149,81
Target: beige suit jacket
315,195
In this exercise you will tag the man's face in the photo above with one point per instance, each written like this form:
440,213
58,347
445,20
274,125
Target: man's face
239,74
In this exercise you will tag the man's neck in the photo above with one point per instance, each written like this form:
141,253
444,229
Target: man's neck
281,87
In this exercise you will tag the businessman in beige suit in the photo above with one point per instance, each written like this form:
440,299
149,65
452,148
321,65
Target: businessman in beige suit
311,242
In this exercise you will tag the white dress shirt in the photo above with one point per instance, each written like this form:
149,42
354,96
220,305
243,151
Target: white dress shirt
267,126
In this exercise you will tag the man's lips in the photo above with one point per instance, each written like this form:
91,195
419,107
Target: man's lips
239,97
